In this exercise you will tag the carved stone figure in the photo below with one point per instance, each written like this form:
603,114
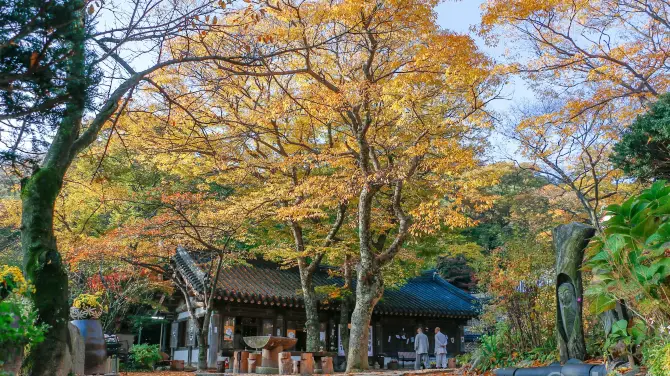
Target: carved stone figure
569,242
567,304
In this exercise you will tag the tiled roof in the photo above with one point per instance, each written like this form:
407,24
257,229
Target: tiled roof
266,284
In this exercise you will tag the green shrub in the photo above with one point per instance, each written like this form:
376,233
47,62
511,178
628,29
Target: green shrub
145,355
494,352
629,262
656,355
18,319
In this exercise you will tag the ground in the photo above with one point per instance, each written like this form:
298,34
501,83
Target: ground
371,373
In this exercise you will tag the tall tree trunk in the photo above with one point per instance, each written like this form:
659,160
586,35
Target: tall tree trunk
345,305
210,291
310,299
44,267
369,286
370,283
42,261
311,312
369,289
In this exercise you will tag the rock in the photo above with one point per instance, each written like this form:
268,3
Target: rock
77,350
569,242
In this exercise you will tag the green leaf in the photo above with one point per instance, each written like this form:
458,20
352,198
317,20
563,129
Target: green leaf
617,229
614,244
602,303
662,267
645,228
613,208
620,328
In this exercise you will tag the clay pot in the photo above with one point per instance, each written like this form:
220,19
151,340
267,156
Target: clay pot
177,365
452,363
95,354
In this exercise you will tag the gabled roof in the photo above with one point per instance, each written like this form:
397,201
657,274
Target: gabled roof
265,283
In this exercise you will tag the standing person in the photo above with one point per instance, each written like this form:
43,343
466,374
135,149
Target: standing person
441,341
421,349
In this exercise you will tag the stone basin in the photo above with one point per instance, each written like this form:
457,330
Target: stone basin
269,342
272,346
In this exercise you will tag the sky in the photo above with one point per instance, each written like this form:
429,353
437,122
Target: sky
460,16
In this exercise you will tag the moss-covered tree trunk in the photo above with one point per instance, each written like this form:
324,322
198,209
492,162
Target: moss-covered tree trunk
203,343
369,285
42,261
44,267
369,289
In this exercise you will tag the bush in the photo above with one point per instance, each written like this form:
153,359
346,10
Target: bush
656,357
630,263
18,319
145,355
495,352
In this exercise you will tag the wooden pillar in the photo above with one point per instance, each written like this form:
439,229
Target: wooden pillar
379,339
213,340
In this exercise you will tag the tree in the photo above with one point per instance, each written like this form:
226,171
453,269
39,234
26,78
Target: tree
643,149
457,272
571,154
138,28
399,100
601,54
594,65
209,223
380,110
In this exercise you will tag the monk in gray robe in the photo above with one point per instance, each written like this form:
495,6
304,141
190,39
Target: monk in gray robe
441,341
421,349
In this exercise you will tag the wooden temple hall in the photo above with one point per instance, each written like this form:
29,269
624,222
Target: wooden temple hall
263,300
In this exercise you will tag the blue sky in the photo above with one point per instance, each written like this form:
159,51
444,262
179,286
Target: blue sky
459,16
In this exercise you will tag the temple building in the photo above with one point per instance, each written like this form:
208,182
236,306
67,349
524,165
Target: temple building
264,299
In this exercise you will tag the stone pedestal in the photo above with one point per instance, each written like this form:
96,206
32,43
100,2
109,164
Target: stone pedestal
306,364
271,347
327,365
451,362
95,353
77,349
296,367
285,363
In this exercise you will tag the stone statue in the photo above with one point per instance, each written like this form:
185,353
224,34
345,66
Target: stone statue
569,242
567,304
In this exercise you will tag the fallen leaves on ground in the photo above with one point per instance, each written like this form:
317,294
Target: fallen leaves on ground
158,373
